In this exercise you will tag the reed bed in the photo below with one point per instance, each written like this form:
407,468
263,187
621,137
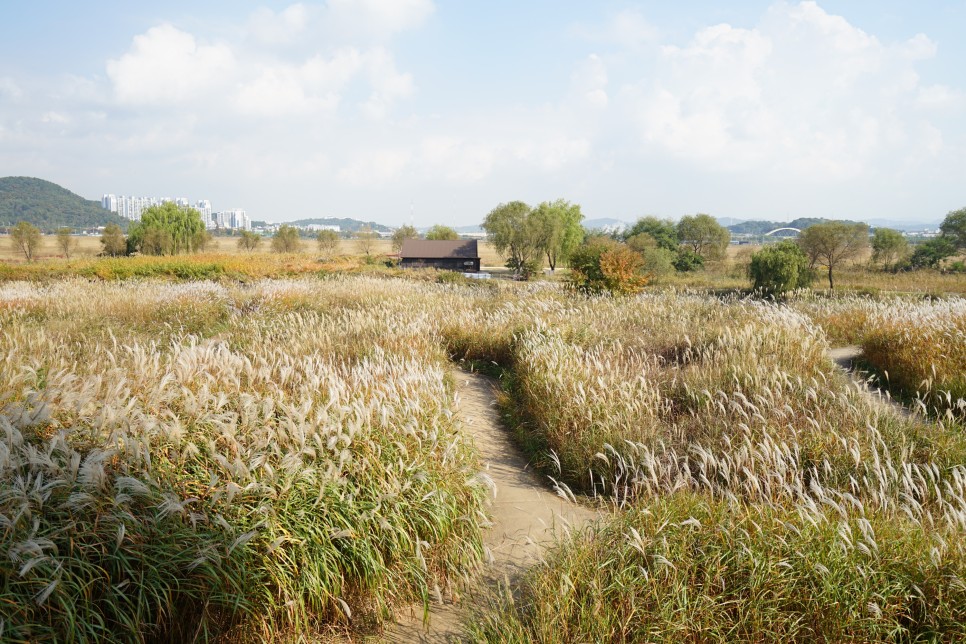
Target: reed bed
188,460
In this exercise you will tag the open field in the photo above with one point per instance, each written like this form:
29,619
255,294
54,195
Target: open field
274,457
91,246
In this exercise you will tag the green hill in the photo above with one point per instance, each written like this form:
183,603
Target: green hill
48,206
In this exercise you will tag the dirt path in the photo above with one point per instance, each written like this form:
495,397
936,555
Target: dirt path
525,512
845,357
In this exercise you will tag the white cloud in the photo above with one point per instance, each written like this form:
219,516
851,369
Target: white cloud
589,82
804,92
273,28
378,19
167,65
628,28
9,90
314,86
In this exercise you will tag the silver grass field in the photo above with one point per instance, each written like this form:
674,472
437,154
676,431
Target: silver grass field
245,462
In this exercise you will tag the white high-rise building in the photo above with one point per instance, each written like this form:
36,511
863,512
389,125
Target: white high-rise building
132,207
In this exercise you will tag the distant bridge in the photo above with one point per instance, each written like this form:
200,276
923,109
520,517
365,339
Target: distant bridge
778,230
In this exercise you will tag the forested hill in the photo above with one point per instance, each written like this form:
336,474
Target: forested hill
48,206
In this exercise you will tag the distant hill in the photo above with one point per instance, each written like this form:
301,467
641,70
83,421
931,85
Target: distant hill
345,224
762,227
48,206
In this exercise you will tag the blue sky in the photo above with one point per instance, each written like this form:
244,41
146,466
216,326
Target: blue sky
363,107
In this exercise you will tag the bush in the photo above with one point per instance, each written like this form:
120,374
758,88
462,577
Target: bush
777,269
687,260
604,265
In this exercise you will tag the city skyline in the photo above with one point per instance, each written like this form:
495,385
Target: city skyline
436,111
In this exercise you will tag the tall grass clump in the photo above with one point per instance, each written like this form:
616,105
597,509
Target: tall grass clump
183,460
920,351
686,568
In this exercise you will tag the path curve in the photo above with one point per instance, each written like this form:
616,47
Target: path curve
526,514
845,358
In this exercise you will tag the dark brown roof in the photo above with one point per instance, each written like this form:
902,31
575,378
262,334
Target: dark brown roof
439,249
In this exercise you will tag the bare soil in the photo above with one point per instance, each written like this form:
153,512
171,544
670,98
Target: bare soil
527,515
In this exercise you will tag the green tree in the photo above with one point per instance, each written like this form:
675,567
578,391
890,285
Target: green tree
704,235
25,238
658,261
686,260
328,242
954,228
932,252
66,242
249,240
602,264
663,231
442,233
366,240
168,229
888,247
779,268
401,234
286,239
112,239
516,236
559,230
833,243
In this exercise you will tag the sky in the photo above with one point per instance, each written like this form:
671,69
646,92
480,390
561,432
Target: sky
436,111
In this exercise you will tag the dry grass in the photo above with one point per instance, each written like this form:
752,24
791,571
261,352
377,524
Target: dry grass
296,439
177,458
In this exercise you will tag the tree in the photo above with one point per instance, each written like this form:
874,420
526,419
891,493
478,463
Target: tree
954,228
26,238
401,234
832,243
328,241
888,247
442,233
658,261
66,242
663,231
286,239
366,240
602,264
112,239
559,229
249,241
686,260
779,268
514,234
931,252
168,229
704,235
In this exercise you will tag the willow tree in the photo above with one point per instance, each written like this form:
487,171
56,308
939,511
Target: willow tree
168,229
558,226
515,235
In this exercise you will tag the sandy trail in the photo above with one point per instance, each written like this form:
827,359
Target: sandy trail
524,510
845,357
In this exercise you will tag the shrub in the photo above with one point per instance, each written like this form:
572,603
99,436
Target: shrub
604,265
687,260
779,268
